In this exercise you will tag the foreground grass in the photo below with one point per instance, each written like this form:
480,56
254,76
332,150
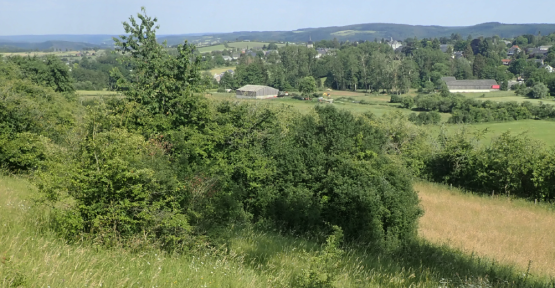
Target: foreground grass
514,232
31,256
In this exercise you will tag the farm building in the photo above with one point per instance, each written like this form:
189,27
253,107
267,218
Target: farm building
256,92
481,86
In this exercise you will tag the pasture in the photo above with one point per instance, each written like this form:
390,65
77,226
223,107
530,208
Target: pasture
244,45
209,49
510,231
542,130
33,256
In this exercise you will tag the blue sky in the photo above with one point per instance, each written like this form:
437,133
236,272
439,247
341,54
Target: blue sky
39,17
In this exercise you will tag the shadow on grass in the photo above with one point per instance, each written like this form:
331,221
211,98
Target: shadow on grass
420,264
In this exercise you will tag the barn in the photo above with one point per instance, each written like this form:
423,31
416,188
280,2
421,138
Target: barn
256,92
481,86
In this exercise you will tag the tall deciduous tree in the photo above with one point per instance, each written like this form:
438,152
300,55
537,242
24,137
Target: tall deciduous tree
159,78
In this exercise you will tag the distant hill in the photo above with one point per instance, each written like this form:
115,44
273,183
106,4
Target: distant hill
372,31
342,33
48,45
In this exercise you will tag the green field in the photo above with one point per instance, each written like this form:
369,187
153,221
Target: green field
209,49
221,70
244,45
543,130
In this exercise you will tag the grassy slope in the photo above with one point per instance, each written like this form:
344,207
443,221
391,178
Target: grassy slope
510,231
30,253
535,129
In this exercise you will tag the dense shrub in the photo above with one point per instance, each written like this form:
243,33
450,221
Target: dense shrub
332,170
511,165
120,187
424,118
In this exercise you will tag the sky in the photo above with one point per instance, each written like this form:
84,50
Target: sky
43,17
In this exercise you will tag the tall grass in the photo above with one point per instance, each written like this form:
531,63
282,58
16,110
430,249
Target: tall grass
510,231
31,255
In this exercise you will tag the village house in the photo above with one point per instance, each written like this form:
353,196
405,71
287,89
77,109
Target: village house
513,50
537,51
457,55
548,68
394,44
506,62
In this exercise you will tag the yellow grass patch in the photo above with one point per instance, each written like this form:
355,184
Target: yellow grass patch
511,232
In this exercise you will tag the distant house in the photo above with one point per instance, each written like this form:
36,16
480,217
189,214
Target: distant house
537,51
513,50
548,68
256,92
507,42
545,48
457,55
506,62
394,44
267,53
444,47
322,52
217,77
227,58
478,86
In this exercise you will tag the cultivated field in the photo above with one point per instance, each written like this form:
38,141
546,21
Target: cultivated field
509,231
32,256
221,69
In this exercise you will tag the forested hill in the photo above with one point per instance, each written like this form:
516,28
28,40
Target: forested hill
375,30
352,32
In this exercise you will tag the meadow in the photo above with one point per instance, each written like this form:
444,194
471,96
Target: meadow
379,105
209,49
508,230
254,256
244,45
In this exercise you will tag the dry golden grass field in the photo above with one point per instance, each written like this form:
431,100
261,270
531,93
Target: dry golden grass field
511,232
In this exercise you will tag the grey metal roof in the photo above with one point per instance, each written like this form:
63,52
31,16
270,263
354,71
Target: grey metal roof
470,84
253,87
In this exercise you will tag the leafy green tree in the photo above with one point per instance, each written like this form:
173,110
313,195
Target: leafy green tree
272,46
307,86
159,80
539,91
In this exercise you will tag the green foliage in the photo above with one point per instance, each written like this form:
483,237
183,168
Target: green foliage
539,91
512,165
424,118
307,86
323,268
50,72
22,152
159,79
118,189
